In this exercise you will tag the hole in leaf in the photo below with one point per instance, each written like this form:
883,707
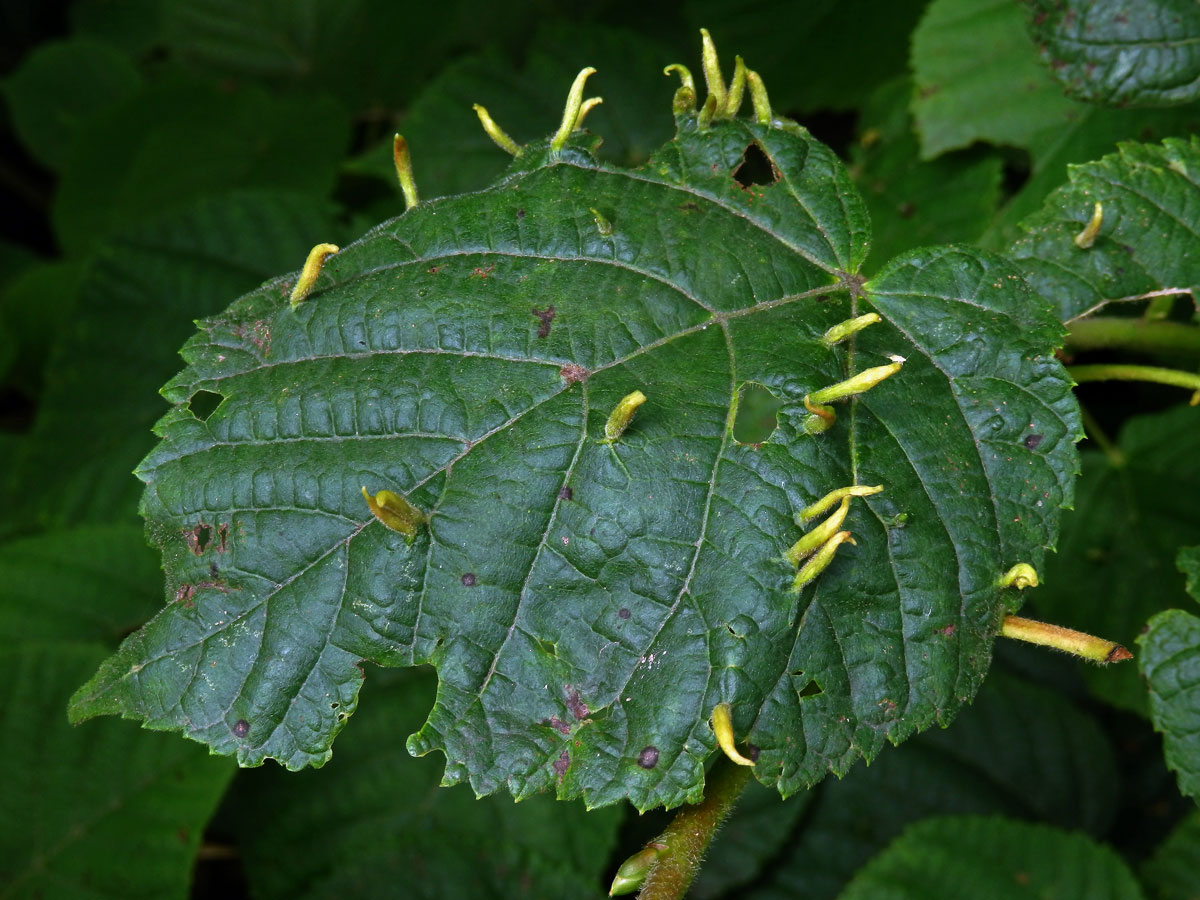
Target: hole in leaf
755,168
201,537
756,418
203,404
812,689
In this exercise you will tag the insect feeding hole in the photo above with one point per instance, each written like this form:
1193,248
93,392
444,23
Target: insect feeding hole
756,418
755,169
203,404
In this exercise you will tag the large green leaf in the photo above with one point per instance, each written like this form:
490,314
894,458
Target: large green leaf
1121,54
582,601
993,859
1148,235
1170,662
100,812
1116,562
373,819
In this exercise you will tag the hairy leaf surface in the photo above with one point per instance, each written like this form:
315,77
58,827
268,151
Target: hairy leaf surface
587,604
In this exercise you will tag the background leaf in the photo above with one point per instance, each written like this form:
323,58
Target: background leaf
59,88
92,583
1171,873
1170,662
1114,53
992,858
1019,750
1115,565
146,157
915,202
374,818
978,79
103,810
140,290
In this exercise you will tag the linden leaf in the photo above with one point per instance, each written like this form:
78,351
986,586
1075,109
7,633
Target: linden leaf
588,601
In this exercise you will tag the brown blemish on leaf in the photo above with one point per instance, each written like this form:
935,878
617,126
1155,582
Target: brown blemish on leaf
184,594
521,213
624,613
562,763
752,752
577,707
648,758
573,373
687,207
222,537
565,492
545,317
559,725
1031,441
433,270
468,579
257,333
482,271
948,631
241,728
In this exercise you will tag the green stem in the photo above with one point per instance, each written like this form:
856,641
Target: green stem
691,831
1150,336
1117,372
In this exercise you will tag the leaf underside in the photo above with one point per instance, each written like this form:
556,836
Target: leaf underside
587,604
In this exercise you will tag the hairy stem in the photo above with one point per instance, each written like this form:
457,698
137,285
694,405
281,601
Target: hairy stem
1149,336
1117,372
1068,640
691,831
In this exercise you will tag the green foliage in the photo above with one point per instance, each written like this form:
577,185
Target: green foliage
1146,239
1116,562
992,858
1170,662
510,411
164,158
1121,54
374,818
1171,873
978,79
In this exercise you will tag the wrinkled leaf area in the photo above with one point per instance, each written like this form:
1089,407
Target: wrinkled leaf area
587,604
